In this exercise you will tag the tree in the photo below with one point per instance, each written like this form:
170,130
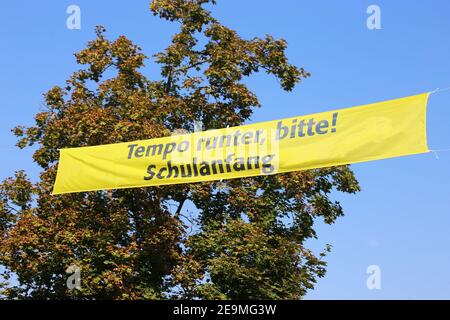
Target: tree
247,238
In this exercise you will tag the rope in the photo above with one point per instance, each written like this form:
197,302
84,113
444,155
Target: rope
437,90
436,154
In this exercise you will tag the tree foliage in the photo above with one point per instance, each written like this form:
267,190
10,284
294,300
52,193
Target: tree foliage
247,238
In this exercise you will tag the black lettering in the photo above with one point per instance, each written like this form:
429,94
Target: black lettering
183,146
311,123
239,164
301,128
204,169
150,172
322,127
246,137
139,152
211,143
214,168
294,125
168,149
282,131
267,166
160,176
255,161
130,153
153,149
188,172
171,170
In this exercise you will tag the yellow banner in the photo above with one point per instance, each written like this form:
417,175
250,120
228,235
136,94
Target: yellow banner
375,131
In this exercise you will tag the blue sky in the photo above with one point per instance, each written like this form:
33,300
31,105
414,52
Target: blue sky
400,220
